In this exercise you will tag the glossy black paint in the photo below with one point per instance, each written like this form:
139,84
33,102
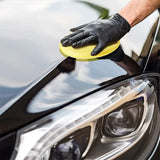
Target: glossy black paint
37,80
7,144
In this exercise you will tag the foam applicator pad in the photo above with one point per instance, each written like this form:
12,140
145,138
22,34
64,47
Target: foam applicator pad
84,53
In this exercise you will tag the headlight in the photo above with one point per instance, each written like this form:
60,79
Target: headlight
103,125
125,120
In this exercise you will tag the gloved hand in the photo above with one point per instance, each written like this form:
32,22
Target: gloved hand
100,32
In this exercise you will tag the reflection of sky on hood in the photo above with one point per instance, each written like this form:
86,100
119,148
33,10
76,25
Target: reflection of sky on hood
66,87
97,73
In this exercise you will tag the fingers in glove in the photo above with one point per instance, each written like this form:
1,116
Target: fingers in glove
65,40
98,49
86,41
75,38
79,36
79,27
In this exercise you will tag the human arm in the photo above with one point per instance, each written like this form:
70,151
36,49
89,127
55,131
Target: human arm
137,10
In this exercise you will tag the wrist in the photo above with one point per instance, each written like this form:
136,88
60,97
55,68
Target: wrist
122,22
129,18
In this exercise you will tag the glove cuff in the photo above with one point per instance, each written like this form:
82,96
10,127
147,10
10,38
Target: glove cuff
122,22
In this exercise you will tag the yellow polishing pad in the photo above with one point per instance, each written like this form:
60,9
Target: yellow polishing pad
84,53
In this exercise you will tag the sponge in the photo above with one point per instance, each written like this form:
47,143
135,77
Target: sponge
84,53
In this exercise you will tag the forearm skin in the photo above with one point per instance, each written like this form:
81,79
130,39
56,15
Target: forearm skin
137,10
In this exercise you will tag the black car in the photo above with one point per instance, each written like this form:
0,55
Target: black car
58,108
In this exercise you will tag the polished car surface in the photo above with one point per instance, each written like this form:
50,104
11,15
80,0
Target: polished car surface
37,80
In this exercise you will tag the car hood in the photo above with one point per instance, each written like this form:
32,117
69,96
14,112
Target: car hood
36,78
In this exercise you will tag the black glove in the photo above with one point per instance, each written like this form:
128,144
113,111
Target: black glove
100,32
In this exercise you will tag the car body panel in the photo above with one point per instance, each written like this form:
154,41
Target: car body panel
36,79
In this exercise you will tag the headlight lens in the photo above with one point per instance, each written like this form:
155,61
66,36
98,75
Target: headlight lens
112,120
73,146
125,120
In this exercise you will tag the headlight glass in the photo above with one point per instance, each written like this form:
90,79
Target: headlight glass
124,120
102,125
71,147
